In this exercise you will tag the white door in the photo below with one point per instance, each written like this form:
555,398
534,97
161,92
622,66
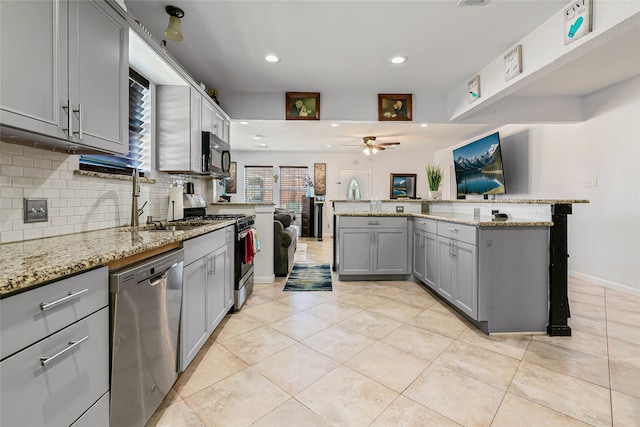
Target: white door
363,176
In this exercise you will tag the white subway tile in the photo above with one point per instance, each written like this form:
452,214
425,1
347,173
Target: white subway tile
58,183
32,234
87,185
23,161
11,236
74,185
10,192
51,156
66,194
80,194
33,172
11,148
22,182
5,203
57,165
59,221
58,203
67,211
54,213
42,183
42,163
51,231
5,181
52,174
5,158
68,229
10,170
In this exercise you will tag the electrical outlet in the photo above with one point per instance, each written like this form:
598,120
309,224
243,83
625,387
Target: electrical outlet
399,209
35,210
592,181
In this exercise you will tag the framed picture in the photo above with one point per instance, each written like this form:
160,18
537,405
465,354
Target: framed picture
303,106
320,178
403,185
513,63
231,184
394,108
473,86
577,20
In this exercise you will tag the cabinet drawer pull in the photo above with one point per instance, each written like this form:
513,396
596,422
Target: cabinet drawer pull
455,230
44,361
46,305
373,222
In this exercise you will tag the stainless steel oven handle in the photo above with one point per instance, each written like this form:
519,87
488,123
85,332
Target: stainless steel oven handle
243,235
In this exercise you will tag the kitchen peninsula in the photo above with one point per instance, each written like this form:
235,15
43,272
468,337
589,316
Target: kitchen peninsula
507,275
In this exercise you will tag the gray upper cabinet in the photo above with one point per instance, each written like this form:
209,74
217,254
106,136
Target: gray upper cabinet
179,138
64,74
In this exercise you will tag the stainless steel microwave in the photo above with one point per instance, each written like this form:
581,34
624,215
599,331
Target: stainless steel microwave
216,155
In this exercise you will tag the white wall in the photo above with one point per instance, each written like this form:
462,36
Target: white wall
555,161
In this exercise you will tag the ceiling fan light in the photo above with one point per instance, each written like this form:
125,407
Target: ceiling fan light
366,151
374,150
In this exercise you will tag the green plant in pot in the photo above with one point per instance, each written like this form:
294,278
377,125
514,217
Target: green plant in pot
434,177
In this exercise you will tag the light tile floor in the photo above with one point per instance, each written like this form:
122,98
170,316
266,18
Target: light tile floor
392,354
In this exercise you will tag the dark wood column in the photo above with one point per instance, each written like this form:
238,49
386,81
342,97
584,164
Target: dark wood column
558,272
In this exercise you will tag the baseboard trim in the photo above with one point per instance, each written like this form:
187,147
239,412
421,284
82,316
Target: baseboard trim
264,279
605,283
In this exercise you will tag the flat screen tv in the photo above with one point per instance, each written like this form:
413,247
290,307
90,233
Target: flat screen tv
479,167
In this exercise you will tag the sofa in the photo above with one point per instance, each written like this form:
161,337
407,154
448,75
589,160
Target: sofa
285,241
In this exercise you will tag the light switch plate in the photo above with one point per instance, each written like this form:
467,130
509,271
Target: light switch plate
35,210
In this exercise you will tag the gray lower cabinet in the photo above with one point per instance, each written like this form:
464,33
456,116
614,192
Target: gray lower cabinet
55,352
424,250
457,274
65,82
373,246
207,293
194,326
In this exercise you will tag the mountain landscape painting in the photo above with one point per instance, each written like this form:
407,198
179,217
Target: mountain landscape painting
478,167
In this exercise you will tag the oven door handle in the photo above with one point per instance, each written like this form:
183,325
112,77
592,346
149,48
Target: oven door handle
243,234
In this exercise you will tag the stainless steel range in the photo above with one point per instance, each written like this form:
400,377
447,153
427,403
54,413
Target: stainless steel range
243,265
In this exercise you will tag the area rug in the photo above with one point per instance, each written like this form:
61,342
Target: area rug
309,276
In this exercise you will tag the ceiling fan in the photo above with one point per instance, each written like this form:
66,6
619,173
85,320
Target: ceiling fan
372,147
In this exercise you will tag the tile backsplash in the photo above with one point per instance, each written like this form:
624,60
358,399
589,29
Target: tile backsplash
76,203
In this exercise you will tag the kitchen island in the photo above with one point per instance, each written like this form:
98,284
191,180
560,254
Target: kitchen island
467,254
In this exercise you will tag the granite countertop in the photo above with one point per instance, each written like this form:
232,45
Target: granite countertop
485,221
34,262
240,204
511,201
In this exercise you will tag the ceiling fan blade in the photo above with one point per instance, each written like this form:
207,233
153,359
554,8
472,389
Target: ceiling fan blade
378,147
388,144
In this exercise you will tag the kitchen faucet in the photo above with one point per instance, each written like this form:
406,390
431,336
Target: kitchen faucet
135,212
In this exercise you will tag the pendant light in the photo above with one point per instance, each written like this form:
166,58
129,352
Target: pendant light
174,29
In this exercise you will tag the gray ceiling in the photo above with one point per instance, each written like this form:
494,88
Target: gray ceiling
344,46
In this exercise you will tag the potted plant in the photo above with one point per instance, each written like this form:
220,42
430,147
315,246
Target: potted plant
434,177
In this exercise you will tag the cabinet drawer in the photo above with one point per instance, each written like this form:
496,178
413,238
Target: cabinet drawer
200,246
24,321
464,233
423,224
60,392
96,416
373,222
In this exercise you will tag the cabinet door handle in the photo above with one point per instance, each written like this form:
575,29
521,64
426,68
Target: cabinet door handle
45,360
450,248
71,295
78,113
373,223
455,230
66,109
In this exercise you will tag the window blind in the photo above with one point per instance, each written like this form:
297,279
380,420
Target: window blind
292,187
258,184
139,134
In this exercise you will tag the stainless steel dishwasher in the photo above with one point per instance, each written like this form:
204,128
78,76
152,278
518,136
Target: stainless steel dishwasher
145,322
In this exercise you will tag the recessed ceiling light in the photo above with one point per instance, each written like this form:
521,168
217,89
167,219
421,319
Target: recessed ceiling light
400,59
334,125
244,123
257,136
328,145
272,58
424,125
262,146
